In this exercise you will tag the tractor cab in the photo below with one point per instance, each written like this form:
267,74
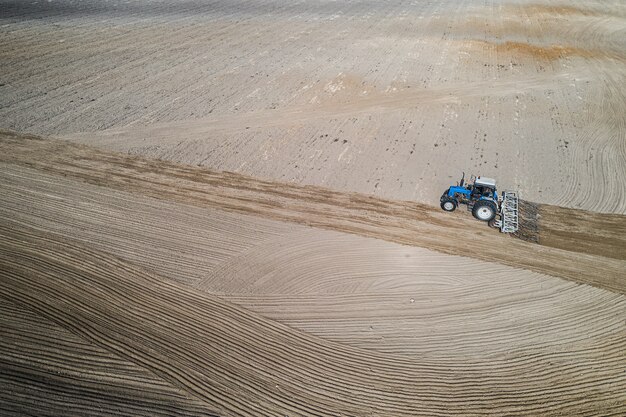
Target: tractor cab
483,187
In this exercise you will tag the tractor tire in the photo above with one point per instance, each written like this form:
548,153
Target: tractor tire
484,210
448,204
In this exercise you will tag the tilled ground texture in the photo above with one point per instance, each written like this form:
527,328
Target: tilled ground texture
237,213
390,98
140,287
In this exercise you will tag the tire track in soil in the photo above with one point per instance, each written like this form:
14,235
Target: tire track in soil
48,371
357,291
237,362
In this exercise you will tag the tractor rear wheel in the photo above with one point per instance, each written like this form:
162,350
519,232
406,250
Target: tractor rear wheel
448,204
484,210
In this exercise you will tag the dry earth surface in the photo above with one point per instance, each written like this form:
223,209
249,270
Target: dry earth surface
235,215
392,98
204,292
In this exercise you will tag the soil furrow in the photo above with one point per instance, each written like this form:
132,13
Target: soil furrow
401,222
335,375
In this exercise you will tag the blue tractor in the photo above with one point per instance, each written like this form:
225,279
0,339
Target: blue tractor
480,197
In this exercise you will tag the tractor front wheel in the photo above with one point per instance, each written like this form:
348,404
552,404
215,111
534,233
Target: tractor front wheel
484,210
448,204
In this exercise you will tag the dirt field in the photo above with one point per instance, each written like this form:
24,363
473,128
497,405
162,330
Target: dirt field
230,208
389,98
199,291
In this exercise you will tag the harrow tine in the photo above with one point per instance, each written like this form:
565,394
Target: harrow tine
509,222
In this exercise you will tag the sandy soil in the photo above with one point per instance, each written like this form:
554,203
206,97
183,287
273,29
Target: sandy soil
240,363
207,292
564,254
296,262
50,371
387,98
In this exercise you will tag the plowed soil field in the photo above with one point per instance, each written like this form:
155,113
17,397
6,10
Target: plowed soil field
391,98
230,208
200,291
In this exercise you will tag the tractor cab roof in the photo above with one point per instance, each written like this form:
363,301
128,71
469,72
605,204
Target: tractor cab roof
485,182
